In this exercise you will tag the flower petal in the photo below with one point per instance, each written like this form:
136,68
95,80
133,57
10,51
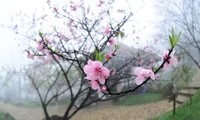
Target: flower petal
152,75
95,85
102,80
97,64
105,72
173,61
139,80
166,66
138,70
88,69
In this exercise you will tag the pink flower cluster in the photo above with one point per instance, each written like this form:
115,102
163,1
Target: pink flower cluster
170,61
47,55
30,56
143,74
96,74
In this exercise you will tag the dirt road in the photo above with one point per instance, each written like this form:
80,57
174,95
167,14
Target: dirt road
137,112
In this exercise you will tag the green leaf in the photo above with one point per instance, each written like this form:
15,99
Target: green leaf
54,28
178,38
174,39
56,51
40,34
80,59
116,47
155,68
101,57
96,54
173,35
121,34
116,33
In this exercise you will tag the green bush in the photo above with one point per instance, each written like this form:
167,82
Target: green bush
140,99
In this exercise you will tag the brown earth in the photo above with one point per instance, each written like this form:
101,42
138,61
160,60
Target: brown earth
137,112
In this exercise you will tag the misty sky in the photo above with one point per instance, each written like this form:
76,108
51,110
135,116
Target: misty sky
12,51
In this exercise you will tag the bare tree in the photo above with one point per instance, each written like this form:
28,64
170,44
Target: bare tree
184,16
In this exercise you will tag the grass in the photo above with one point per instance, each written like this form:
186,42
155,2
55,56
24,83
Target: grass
140,99
2,115
187,111
29,105
37,104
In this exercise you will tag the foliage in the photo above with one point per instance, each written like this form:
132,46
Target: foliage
140,99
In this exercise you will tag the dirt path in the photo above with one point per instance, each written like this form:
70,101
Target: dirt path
138,112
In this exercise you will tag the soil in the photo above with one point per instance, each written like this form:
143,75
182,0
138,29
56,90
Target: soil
137,112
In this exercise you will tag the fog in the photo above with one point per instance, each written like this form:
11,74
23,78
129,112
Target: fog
53,68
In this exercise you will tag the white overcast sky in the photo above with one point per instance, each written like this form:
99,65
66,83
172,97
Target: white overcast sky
13,55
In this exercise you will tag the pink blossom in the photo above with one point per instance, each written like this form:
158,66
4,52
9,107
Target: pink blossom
46,41
56,57
141,61
45,61
95,71
39,46
104,88
88,10
95,85
101,2
47,52
152,60
70,22
107,31
62,36
170,61
143,74
31,56
111,41
109,55
73,7
99,5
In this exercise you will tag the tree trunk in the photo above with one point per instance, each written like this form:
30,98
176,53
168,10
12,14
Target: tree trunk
174,105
